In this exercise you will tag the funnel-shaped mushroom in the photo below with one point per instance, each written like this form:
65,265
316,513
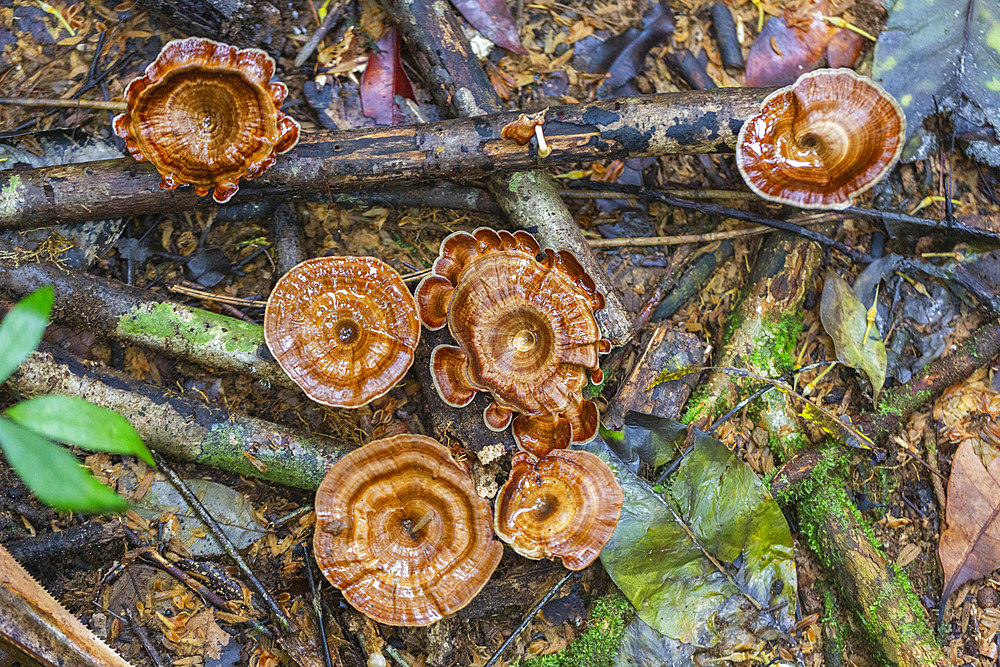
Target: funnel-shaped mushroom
402,533
526,334
822,141
206,114
565,505
343,328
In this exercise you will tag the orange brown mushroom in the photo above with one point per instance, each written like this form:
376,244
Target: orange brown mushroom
206,114
402,533
564,505
344,329
822,141
526,334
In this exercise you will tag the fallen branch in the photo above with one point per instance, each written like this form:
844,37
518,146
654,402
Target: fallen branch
529,198
671,123
184,428
762,341
139,317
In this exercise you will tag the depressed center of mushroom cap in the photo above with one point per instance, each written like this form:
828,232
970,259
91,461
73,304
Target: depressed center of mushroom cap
347,331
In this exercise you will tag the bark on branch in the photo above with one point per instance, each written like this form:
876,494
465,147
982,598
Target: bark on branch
763,341
185,428
671,123
528,198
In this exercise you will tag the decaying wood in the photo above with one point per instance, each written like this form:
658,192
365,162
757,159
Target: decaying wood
184,428
689,122
765,321
132,315
529,198
897,403
243,23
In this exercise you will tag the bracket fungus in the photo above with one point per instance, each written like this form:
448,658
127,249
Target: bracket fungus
565,505
526,334
344,329
822,141
206,114
401,531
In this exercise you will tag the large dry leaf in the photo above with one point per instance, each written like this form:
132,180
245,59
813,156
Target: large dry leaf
845,319
970,547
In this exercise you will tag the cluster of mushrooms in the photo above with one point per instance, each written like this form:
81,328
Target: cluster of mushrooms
400,528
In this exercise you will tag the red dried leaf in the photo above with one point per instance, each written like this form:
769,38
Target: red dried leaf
384,78
970,547
493,19
781,54
845,48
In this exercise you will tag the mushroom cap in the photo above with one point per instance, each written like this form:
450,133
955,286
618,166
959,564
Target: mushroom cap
822,141
564,505
525,330
206,114
369,542
343,328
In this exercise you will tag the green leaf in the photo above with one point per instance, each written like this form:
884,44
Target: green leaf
74,420
53,474
21,330
658,555
941,56
845,319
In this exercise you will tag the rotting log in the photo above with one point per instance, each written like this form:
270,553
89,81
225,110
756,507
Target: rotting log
136,316
669,123
762,338
529,198
182,427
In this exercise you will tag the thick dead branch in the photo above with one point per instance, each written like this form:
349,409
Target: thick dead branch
529,198
132,315
672,123
898,403
241,23
184,428
762,340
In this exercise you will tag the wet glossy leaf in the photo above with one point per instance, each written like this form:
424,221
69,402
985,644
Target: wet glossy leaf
75,421
22,328
943,56
53,474
383,79
715,505
493,19
970,547
845,319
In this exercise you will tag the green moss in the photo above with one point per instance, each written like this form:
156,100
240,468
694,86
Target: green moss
773,352
598,645
196,327
698,404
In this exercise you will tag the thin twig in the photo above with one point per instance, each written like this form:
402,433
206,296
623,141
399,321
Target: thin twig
527,619
221,298
276,611
741,195
56,102
317,607
681,239
726,211
333,14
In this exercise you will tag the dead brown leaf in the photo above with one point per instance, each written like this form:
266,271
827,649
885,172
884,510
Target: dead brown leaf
970,547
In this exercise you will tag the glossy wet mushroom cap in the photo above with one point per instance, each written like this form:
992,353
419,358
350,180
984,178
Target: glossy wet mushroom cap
565,505
345,329
525,332
822,141
401,531
206,114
